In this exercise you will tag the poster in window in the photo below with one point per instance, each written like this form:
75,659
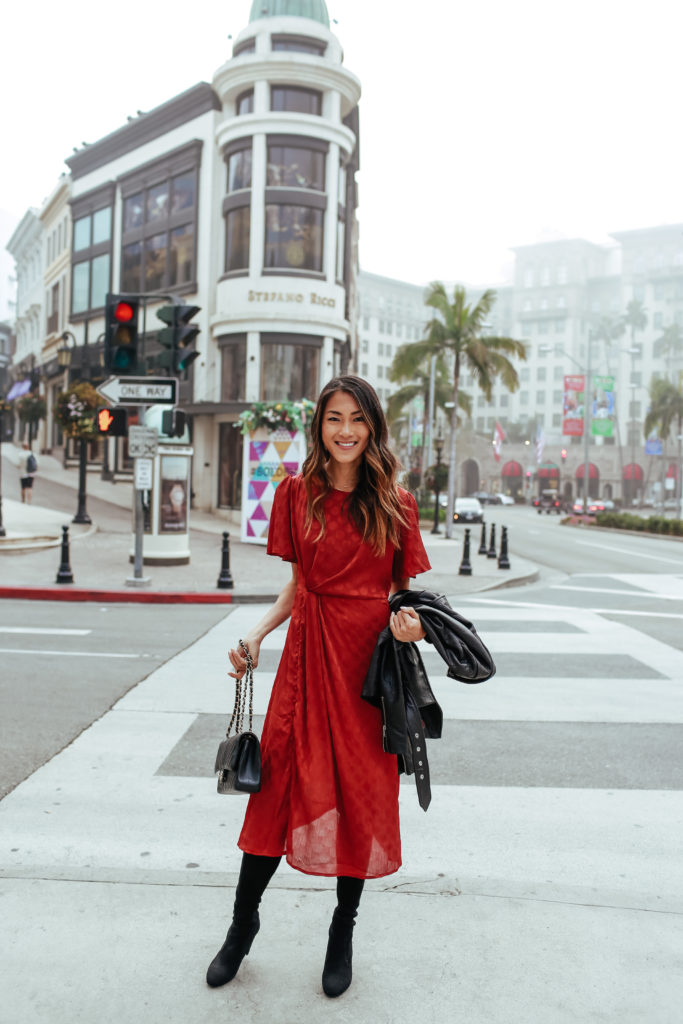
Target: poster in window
573,405
173,494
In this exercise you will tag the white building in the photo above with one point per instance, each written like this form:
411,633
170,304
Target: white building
26,246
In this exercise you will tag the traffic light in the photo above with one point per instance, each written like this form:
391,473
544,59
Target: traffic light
178,337
173,422
121,334
112,422
563,454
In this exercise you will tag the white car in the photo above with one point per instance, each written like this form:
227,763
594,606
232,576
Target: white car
505,499
468,510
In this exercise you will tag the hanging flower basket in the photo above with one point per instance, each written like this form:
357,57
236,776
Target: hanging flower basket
32,408
276,416
75,410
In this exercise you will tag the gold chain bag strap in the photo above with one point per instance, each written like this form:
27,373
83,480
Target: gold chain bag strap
238,761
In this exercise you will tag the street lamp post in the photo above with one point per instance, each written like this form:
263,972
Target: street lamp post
64,359
438,445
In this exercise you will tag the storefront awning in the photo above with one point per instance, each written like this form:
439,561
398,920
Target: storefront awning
512,468
633,471
547,469
593,472
18,390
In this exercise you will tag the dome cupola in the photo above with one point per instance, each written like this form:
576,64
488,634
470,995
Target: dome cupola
315,10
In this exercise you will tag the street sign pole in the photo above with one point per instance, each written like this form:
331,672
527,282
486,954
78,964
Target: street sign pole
141,445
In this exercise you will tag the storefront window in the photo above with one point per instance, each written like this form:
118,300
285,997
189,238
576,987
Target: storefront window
245,103
237,227
131,267
296,167
294,237
157,202
295,100
234,369
239,170
155,262
82,233
101,226
288,371
133,208
181,254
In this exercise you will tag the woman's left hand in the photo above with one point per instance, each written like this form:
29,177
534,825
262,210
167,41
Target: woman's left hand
406,626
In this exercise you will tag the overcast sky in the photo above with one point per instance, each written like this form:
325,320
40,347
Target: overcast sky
484,125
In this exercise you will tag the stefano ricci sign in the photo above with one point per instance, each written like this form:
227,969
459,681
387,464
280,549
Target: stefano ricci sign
293,298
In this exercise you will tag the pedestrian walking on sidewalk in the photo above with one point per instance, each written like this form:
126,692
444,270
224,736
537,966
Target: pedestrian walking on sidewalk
329,794
27,470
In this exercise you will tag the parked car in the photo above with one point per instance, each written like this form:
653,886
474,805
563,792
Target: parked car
468,510
505,499
594,506
548,501
484,498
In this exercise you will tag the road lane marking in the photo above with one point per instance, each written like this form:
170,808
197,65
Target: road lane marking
625,551
624,593
565,607
71,654
44,632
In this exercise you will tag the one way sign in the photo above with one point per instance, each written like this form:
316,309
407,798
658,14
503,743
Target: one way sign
140,390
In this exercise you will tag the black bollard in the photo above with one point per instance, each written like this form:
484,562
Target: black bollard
225,581
64,573
465,566
503,560
491,553
482,542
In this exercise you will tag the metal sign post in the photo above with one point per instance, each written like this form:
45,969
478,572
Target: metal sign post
142,445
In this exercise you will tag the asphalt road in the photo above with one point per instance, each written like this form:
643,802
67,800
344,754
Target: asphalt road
65,665
632,579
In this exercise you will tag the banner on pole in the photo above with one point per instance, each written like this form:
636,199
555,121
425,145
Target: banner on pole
602,424
573,405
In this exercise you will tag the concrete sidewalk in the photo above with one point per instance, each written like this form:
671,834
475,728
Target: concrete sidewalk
514,905
30,556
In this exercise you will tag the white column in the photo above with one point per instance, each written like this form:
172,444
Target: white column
326,361
258,214
253,376
331,188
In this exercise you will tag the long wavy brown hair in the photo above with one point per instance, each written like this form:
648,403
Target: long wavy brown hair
374,504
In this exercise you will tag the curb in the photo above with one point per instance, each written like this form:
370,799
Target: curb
624,533
42,542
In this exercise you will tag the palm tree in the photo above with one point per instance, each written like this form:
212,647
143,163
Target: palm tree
670,344
666,408
456,331
409,366
635,318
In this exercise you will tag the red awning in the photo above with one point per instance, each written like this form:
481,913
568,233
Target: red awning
593,472
672,471
512,469
547,469
633,472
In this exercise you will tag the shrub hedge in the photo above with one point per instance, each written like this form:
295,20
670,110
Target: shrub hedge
653,524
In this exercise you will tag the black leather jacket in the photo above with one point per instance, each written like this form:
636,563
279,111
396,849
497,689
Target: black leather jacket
397,681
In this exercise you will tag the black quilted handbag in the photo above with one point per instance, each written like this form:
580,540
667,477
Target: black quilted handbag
238,761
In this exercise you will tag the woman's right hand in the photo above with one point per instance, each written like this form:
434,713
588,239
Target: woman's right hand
237,659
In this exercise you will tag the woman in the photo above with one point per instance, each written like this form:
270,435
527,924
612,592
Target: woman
329,794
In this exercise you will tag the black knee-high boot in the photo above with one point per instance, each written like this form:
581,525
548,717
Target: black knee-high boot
255,874
337,970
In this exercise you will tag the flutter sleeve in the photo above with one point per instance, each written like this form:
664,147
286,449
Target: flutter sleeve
280,539
412,557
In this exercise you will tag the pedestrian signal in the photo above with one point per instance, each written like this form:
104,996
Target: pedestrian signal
121,334
173,422
112,422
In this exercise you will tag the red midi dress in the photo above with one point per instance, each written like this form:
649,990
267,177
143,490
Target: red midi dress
329,793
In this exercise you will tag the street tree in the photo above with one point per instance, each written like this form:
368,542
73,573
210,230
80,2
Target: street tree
666,410
410,366
457,331
669,344
635,318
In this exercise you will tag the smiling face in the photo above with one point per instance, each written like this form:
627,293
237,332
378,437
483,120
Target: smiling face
345,434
